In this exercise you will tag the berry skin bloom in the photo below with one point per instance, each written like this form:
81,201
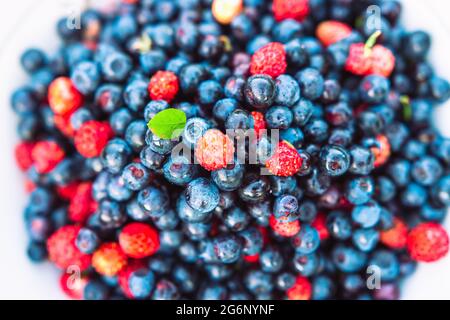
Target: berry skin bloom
290,9
214,150
46,156
23,155
330,32
269,60
427,242
82,205
284,229
63,96
62,250
163,86
139,240
301,290
396,237
285,161
92,137
109,259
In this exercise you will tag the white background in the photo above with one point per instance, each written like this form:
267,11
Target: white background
25,23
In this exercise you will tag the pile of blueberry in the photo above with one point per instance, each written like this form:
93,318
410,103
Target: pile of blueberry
355,188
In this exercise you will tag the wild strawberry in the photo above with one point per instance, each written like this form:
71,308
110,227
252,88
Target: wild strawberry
396,237
319,224
66,192
73,284
357,62
163,86
382,151
23,155
63,96
63,124
284,229
259,124
382,61
82,205
109,259
301,290
330,32
46,156
214,150
92,137
269,60
62,250
427,242
285,161
290,9
139,240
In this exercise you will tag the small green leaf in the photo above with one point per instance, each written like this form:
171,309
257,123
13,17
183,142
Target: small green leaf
168,124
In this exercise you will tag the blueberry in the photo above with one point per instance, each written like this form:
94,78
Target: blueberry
316,130
311,83
234,88
187,37
259,91
108,97
414,195
37,252
110,214
400,172
236,219
95,290
348,259
306,265
194,129
79,117
318,183
365,239
87,241
271,260
254,188
159,145
223,108
152,61
135,176
135,95
416,45
366,215
229,179
307,211
120,120
115,155
153,200
151,159
191,76
279,117
23,101
335,161
258,282
242,27
287,90
86,77
32,60
293,135
287,30
135,134
426,171
323,288
388,264
338,114
178,170
306,241
202,195
339,225
116,66
360,190
296,53
227,248
286,208
374,89
209,92
165,290
238,119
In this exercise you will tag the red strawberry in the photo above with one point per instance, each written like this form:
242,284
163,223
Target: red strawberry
363,60
285,161
63,96
395,238
82,205
357,61
92,137
214,150
23,156
290,9
284,229
46,156
139,240
427,242
301,290
269,60
382,151
382,61
73,284
62,250
63,124
329,32
163,86
109,259
259,124
68,191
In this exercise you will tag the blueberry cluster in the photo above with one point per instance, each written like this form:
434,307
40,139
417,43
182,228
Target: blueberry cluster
371,160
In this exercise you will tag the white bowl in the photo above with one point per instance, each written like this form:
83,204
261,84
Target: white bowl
26,23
